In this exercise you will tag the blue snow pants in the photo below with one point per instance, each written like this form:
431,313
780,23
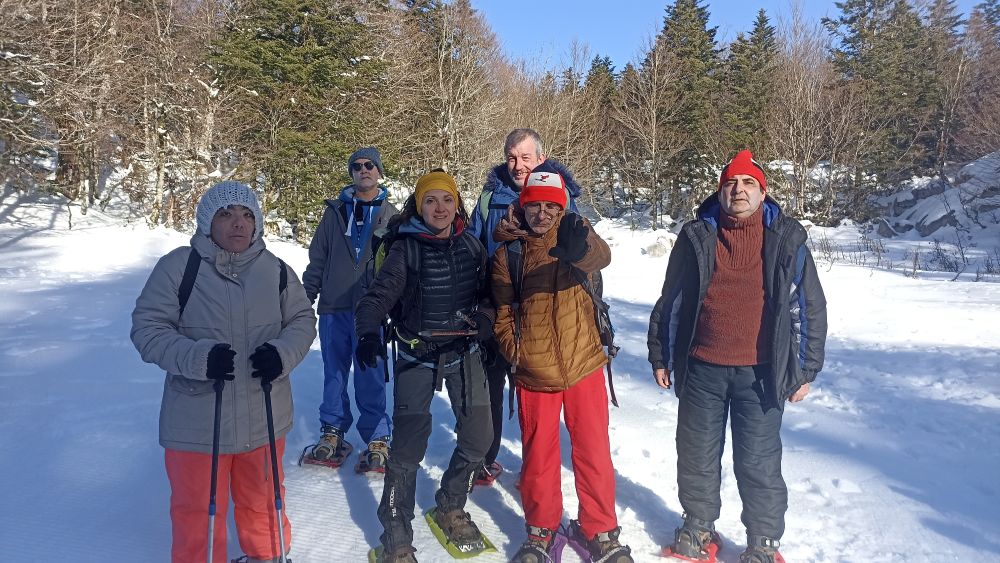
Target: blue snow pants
338,342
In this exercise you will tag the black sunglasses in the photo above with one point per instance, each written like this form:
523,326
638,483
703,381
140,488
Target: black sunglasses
356,166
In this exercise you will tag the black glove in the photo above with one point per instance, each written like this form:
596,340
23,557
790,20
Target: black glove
484,325
571,239
370,348
266,363
220,363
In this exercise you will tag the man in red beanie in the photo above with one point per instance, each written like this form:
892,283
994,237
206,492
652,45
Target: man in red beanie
741,324
558,364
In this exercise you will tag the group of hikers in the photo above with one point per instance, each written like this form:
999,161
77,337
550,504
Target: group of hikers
508,292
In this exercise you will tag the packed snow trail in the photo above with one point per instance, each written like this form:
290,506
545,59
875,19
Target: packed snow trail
893,456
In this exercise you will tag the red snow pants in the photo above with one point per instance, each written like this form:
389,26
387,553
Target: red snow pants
585,407
248,477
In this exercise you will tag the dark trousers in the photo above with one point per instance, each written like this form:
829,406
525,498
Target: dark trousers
465,382
712,393
497,371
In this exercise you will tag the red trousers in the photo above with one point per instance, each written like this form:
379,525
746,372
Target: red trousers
585,407
248,477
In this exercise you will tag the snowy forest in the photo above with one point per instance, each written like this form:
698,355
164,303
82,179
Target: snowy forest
159,99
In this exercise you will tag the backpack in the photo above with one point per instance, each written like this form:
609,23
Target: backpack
602,311
191,272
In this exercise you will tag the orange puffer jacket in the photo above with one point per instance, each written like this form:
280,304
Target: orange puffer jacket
559,343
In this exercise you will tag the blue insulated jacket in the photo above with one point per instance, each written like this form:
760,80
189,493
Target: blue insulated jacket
792,294
499,192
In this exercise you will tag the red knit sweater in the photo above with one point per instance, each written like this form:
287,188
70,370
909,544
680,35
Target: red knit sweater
731,323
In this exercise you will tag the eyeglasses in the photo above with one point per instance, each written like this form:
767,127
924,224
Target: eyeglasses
356,166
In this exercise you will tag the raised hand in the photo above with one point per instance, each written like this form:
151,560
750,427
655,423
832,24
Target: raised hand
571,239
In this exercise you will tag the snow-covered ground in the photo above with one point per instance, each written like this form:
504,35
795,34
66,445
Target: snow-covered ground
893,457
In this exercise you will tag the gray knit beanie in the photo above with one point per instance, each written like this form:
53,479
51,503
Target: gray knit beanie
372,154
225,194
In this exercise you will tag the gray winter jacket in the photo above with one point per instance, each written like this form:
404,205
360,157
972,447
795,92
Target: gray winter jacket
335,272
235,301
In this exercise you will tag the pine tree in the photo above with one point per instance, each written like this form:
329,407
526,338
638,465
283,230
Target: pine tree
690,43
882,45
947,78
300,67
748,77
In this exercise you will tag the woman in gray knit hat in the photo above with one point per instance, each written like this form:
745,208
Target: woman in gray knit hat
245,322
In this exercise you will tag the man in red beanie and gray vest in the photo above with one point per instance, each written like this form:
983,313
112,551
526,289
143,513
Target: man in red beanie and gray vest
741,324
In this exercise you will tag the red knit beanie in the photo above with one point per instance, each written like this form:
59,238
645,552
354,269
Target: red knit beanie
743,163
544,184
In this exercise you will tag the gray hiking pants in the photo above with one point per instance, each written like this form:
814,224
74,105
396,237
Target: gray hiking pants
465,380
712,393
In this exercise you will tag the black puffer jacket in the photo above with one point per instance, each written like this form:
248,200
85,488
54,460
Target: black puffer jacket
449,278
792,294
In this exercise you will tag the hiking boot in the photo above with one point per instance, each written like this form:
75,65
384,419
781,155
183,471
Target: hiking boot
377,454
542,546
694,539
761,549
604,547
487,473
330,442
458,527
400,554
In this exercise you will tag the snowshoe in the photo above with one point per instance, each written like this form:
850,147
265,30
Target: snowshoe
373,459
761,549
488,473
602,548
331,451
402,554
542,546
457,533
695,540
248,559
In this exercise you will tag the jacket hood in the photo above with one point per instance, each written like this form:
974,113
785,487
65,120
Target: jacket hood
415,226
215,254
710,209
347,195
500,177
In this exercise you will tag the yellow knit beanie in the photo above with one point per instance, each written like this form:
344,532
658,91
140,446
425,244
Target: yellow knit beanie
435,181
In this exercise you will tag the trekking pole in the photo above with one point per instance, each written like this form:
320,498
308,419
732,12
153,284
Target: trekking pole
218,385
274,468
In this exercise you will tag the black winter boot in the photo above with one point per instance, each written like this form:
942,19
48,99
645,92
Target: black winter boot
693,539
542,546
761,549
604,547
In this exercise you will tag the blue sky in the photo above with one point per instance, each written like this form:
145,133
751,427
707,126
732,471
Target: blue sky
543,30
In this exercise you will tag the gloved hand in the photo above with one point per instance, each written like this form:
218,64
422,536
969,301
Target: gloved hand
571,239
266,363
370,348
484,325
220,363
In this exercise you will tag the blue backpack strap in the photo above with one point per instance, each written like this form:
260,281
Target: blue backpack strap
187,281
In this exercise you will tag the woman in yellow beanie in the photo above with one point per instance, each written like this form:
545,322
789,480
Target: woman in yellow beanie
432,284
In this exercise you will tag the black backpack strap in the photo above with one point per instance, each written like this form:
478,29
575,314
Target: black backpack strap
282,276
599,306
187,281
515,268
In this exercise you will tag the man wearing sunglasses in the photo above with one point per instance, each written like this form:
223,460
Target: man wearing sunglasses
337,256
741,324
